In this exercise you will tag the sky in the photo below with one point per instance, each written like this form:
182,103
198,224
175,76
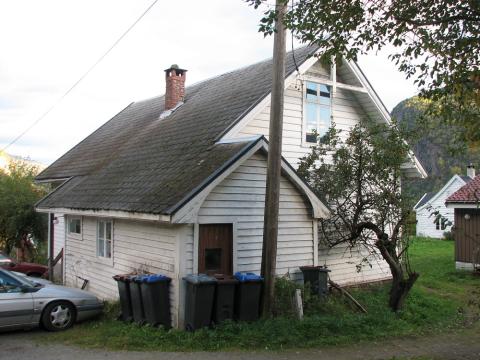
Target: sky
46,46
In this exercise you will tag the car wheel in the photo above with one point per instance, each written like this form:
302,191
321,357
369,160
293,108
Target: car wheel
57,316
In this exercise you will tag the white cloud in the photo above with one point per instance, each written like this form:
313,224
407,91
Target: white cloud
47,45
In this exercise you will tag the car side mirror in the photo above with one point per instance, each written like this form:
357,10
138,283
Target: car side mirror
27,289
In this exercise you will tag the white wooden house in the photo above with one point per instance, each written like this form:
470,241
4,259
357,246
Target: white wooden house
176,184
430,225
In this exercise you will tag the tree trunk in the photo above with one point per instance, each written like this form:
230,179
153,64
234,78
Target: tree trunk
401,283
400,289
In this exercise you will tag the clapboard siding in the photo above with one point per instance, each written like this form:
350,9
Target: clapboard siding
343,262
240,197
58,234
346,112
137,246
426,221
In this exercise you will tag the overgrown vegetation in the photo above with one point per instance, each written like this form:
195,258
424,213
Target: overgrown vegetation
443,300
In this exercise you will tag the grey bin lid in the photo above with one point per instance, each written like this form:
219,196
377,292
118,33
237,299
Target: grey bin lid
200,279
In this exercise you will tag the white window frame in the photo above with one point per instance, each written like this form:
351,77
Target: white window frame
74,234
318,82
97,247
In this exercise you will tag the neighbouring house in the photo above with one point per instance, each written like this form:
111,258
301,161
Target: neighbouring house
176,184
465,203
434,218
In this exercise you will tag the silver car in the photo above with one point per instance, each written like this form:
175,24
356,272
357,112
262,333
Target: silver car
26,303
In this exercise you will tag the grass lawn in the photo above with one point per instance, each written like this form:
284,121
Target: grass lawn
442,300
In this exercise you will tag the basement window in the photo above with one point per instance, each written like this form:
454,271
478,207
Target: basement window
317,117
104,238
75,225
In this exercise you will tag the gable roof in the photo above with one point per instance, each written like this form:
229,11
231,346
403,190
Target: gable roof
137,162
433,196
423,200
468,193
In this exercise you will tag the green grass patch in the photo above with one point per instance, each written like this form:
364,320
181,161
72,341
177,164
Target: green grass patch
442,299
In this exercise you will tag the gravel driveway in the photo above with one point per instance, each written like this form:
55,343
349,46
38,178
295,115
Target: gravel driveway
464,345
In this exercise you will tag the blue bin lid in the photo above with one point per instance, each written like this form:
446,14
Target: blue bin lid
200,279
154,278
246,277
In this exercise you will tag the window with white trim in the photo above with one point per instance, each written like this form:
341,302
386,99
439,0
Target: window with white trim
317,117
104,238
75,225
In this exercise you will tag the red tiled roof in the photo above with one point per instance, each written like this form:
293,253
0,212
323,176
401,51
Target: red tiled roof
468,193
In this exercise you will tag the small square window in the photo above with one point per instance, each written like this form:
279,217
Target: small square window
213,259
75,226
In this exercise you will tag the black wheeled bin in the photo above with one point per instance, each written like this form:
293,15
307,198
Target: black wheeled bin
136,298
317,277
123,282
224,303
248,295
155,291
199,301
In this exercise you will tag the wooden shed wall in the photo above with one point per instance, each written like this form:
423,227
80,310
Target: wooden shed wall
467,236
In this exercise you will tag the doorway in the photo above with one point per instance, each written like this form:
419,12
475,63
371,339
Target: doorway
215,249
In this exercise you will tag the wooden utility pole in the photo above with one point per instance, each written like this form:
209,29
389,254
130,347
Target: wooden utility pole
272,197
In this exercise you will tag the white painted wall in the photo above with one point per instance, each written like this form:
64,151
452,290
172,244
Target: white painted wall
425,222
137,245
239,199
58,234
346,112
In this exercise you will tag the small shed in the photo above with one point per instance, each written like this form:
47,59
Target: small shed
466,205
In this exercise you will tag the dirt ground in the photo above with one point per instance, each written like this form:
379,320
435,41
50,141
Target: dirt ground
464,345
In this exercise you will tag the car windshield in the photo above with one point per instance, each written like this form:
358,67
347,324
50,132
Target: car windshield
22,279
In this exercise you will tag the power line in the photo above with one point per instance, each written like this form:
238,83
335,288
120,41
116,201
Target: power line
81,77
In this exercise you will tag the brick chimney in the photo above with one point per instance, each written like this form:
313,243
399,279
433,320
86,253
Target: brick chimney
471,171
175,86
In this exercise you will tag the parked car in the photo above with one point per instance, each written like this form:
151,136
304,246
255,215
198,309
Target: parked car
30,269
27,303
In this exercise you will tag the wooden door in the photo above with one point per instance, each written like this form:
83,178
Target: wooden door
215,249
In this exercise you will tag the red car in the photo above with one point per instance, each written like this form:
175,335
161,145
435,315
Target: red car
29,269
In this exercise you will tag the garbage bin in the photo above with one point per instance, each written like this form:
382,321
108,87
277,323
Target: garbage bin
136,298
317,277
224,302
123,283
156,299
248,293
199,301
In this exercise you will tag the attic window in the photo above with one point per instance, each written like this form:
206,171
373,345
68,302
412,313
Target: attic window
317,111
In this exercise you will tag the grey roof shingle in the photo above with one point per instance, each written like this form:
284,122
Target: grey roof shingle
138,162
426,197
